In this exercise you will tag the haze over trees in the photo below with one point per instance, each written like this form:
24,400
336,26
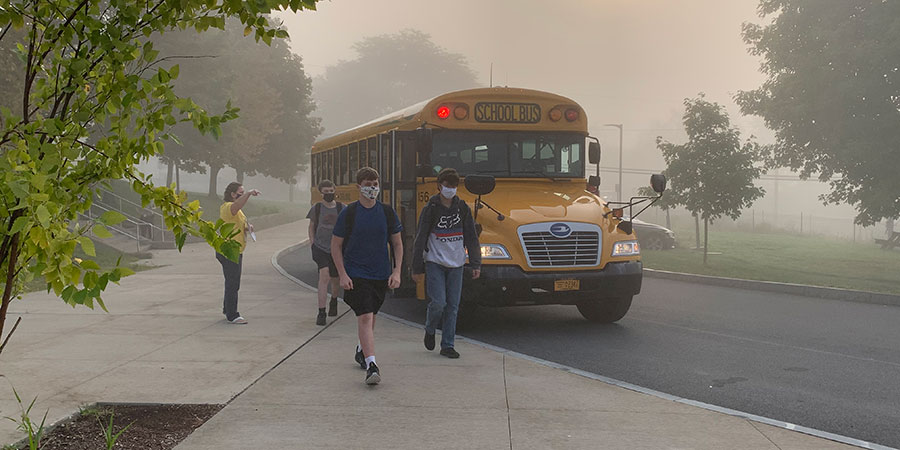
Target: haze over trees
832,96
94,102
391,72
711,174
268,85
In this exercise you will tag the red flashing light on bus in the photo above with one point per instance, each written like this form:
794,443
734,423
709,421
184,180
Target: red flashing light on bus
443,112
571,115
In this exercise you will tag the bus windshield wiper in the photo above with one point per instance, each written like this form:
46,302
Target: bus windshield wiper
535,172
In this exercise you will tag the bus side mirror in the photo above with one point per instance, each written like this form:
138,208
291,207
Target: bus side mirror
594,152
480,184
658,182
594,181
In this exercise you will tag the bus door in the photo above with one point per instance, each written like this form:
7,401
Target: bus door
397,163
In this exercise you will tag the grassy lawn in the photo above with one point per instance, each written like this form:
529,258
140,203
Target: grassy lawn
812,260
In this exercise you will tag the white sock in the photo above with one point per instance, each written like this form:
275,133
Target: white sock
358,348
370,360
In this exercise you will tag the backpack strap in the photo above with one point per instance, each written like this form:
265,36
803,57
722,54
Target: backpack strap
316,211
350,220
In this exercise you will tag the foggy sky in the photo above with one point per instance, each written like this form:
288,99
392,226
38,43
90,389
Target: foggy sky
625,61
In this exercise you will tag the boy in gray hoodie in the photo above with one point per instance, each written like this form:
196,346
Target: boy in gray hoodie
445,231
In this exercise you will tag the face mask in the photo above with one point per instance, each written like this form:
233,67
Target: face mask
370,192
448,192
328,197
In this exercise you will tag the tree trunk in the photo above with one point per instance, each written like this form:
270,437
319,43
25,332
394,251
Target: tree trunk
705,239
240,175
213,175
668,220
170,168
13,250
177,178
697,227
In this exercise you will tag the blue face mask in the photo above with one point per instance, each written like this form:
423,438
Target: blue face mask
448,192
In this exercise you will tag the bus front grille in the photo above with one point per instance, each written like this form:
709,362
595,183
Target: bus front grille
580,248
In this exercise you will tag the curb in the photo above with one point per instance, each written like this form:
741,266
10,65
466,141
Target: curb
847,295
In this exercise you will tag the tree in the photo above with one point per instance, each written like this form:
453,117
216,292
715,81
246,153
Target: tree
94,103
832,96
11,68
269,86
712,174
391,71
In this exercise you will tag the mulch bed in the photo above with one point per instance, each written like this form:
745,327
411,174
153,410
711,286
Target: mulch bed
155,427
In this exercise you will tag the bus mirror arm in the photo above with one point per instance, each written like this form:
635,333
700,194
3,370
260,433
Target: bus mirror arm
479,203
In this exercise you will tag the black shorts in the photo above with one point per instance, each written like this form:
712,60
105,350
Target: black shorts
367,296
323,259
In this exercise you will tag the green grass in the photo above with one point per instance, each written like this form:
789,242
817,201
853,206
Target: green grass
812,260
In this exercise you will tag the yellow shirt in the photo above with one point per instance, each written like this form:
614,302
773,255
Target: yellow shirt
239,220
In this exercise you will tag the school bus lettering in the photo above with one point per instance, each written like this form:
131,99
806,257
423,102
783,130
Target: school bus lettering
495,112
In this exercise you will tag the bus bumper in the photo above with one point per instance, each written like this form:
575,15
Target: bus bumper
509,285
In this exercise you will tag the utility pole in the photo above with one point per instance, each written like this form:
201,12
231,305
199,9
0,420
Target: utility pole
619,187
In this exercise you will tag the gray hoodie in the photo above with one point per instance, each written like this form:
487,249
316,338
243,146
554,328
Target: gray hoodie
443,234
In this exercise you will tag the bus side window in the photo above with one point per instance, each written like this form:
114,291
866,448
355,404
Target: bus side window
373,153
345,178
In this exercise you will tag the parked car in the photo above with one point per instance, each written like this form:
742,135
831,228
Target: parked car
652,236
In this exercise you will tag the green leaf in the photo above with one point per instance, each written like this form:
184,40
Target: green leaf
231,250
112,218
43,215
179,240
101,232
19,225
89,264
87,245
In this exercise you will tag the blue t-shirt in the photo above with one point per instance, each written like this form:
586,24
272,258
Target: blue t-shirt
367,253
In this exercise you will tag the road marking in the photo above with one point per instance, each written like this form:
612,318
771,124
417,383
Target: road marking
611,381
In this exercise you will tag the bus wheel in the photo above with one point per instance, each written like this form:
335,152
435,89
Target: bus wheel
606,310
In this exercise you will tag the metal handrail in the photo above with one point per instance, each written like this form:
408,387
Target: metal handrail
161,228
137,225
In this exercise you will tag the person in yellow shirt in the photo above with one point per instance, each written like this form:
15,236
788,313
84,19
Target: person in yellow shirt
235,198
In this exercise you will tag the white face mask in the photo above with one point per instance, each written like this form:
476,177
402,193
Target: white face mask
370,192
448,192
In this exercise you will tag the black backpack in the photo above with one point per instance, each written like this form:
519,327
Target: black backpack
349,221
317,208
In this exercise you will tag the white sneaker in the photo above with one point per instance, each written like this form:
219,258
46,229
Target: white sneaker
239,321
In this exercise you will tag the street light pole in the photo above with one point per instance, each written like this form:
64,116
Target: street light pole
619,126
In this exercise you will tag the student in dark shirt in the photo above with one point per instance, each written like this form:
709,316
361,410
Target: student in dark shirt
446,230
360,250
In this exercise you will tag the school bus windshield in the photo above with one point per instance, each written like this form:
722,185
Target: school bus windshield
509,154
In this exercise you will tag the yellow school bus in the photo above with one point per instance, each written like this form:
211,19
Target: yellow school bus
545,237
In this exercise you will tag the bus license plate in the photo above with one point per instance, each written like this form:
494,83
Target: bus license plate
566,285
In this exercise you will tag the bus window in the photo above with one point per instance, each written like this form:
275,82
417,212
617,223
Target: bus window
345,179
354,160
329,165
363,153
373,153
509,154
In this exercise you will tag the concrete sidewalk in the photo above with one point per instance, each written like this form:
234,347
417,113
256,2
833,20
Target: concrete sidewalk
165,342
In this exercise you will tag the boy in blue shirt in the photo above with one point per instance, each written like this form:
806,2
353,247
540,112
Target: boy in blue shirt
359,246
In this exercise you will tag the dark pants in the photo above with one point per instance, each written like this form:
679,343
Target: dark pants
232,272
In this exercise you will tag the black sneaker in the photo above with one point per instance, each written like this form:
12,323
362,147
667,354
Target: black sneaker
429,341
332,307
373,376
320,319
449,352
360,359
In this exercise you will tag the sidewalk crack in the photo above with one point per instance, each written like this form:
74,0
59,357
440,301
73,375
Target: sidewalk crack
506,393
764,434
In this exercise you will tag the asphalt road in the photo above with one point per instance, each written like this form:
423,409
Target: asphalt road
824,364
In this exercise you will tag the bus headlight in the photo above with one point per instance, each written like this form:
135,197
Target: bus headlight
626,248
494,251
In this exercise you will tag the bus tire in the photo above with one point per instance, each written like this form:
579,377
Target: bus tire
605,311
